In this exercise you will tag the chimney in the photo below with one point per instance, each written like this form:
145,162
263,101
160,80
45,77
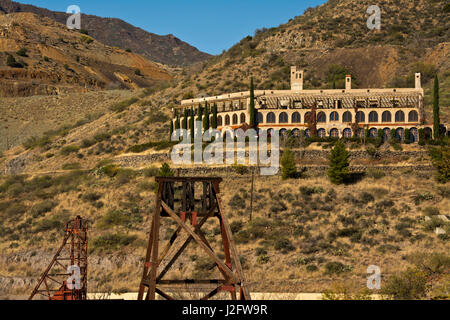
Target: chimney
418,81
348,82
296,79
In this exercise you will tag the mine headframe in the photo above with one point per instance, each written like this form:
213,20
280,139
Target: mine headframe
66,276
176,199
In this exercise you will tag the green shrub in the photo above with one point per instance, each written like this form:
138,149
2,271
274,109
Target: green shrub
288,168
69,149
407,285
71,166
113,241
236,202
121,106
22,52
336,268
284,245
11,62
56,222
441,161
375,173
339,163
86,39
42,208
263,259
431,211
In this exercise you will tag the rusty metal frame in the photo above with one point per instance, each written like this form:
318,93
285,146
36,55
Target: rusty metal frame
180,210
73,251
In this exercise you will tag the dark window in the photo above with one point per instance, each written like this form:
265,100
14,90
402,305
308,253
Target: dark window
413,116
360,116
284,117
242,117
321,117
399,116
227,120
271,117
334,116
296,118
347,117
373,116
386,117
235,119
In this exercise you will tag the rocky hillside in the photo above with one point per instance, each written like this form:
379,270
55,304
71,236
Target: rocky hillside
40,56
332,40
115,32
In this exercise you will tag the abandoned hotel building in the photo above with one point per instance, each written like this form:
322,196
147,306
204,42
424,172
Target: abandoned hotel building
337,110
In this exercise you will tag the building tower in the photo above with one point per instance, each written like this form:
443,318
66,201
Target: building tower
296,79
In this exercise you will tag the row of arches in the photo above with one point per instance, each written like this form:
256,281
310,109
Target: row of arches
235,119
347,117
347,133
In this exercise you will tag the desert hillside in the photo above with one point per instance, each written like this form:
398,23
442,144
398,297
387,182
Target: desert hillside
40,57
166,49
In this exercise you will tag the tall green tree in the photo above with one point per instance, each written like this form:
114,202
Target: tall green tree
171,129
436,118
200,113
177,123
252,109
185,119
339,163
206,118
288,168
192,123
214,117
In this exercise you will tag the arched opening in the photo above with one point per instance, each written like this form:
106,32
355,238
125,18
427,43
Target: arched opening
386,134
373,116
360,117
270,117
283,117
260,117
296,118
359,132
308,133
427,133
227,120
334,133
296,133
413,135
283,133
413,116
373,133
321,117
400,134
243,118
334,116
235,119
347,117
399,116
307,116
322,133
386,117
270,132
219,121
347,133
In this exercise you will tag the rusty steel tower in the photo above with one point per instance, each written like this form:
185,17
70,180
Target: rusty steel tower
66,276
176,200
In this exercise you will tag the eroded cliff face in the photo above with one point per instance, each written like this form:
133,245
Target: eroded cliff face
49,59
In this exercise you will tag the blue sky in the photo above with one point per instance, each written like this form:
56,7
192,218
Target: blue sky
211,26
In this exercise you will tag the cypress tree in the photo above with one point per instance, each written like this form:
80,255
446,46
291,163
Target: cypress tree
214,117
339,163
288,168
206,118
192,124
436,119
199,113
252,105
177,123
171,130
185,119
